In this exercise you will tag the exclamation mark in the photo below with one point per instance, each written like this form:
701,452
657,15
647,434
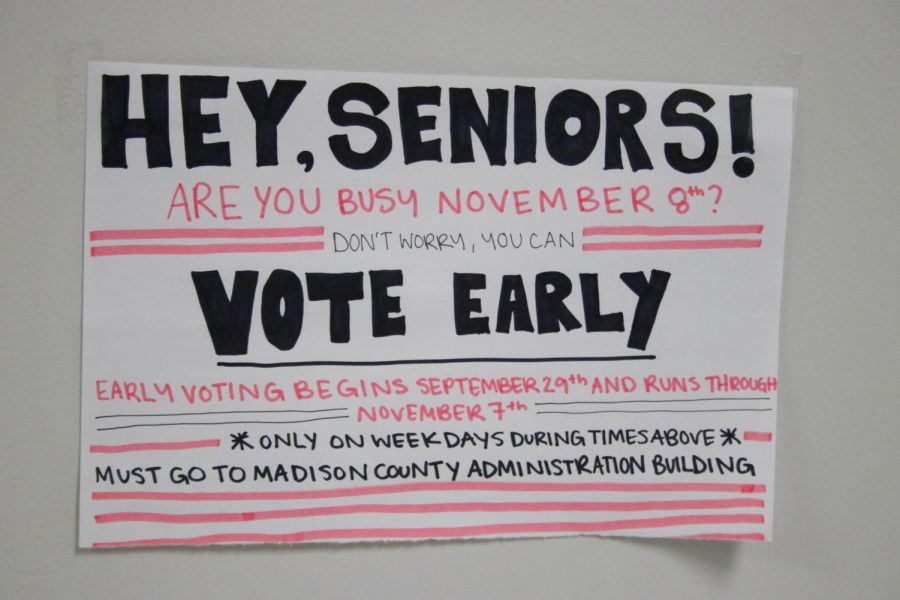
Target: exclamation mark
742,133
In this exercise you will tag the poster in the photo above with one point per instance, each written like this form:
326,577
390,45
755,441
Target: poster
341,307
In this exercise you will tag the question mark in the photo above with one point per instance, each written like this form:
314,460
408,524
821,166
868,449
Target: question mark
718,190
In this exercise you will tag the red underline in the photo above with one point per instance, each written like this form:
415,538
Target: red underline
434,486
443,532
672,245
170,249
442,507
675,230
205,232
106,449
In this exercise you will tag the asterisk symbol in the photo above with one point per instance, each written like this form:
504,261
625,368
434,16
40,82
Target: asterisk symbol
239,441
730,436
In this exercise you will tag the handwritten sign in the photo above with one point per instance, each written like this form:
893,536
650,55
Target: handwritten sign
331,307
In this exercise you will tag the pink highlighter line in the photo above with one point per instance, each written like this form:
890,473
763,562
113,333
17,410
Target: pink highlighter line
442,532
104,449
169,249
443,507
489,486
757,436
206,232
674,230
672,245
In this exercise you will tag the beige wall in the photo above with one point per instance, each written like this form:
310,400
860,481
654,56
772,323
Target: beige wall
836,521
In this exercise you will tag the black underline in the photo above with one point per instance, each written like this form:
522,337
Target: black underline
435,361
222,412
647,400
594,412
220,423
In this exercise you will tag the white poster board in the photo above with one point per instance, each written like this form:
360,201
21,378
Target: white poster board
332,307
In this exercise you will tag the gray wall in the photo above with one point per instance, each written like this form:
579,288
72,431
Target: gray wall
837,485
